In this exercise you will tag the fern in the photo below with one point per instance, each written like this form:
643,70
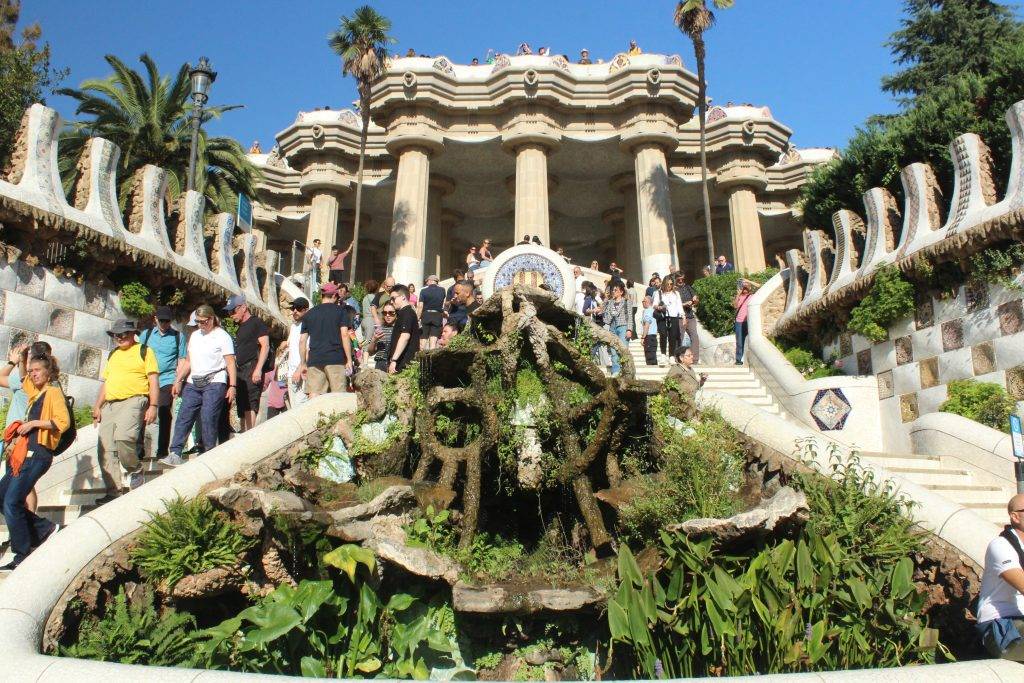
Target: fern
135,633
191,537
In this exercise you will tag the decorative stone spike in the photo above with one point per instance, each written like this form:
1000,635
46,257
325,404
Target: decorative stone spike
794,261
102,202
33,165
224,266
973,189
249,281
845,223
154,226
882,215
815,243
270,294
922,215
193,255
1015,185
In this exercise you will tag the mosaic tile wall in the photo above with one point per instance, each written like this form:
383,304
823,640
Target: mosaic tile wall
36,305
978,334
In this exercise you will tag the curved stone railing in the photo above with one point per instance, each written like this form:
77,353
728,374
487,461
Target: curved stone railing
986,452
30,593
841,408
31,192
975,219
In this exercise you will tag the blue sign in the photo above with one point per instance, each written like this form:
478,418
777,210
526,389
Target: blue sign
244,213
1017,436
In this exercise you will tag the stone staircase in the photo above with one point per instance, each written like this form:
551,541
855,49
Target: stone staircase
736,380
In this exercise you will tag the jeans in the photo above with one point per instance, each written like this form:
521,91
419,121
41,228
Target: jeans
673,335
651,349
689,325
620,332
206,404
26,528
741,337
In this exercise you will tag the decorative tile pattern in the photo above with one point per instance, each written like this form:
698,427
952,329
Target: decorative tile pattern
1011,317
530,269
924,313
953,335
929,372
864,362
904,350
62,322
885,385
31,280
830,409
19,337
1015,383
845,345
976,296
983,358
89,360
95,300
908,407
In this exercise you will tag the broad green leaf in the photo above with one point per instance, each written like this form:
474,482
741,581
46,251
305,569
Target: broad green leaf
628,568
804,566
272,621
902,577
618,622
400,602
368,666
348,557
312,668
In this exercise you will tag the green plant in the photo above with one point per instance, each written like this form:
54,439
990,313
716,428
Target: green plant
891,297
984,402
715,293
997,265
189,538
807,362
83,416
136,300
230,326
134,632
334,628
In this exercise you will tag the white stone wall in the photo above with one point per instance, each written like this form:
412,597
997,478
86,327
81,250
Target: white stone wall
36,305
978,333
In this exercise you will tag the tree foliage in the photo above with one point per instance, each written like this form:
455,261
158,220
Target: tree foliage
891,297
25,73
965,68
984,402
149,117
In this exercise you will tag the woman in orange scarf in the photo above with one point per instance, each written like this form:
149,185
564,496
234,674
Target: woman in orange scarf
30,454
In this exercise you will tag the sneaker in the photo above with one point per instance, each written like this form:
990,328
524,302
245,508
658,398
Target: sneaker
172,460
9,567
51,532
104,500
135,480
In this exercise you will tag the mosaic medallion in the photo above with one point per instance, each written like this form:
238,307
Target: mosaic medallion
534,266
830,409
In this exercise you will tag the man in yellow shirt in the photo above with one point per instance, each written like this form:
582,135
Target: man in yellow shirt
128,399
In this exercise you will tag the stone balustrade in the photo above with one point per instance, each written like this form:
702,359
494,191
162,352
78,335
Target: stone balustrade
975,220
32,198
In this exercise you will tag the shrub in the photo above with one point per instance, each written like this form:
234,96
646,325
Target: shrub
136,300
807,362
133,632
191,537
984,402
891,297
715,309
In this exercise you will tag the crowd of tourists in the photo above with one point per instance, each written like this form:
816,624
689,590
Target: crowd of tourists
525,49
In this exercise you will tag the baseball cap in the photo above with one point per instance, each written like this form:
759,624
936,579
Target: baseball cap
299,303
329,288
234,302
433,278
164,313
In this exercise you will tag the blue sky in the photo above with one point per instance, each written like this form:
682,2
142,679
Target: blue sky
816,63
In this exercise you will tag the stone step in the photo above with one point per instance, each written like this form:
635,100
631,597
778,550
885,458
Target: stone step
889,460
924,476
975,493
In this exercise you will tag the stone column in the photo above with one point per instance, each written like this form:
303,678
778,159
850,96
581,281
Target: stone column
629,249
531,148
741,178
406,251
654,209
450,219
439,187
323,219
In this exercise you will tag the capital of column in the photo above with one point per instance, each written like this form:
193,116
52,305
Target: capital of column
633,141
430,144
514,140
324,176
739,172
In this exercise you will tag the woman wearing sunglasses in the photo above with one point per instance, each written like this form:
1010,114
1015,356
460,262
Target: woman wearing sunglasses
381,338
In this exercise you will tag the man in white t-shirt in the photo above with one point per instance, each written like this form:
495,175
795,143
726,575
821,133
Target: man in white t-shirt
296,380
577,276
205,380
1001,600
315,258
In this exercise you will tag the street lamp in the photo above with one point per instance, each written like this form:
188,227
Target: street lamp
201,76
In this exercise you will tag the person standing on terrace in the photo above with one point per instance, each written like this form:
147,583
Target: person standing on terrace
1001,599
634,49
585,57
336,263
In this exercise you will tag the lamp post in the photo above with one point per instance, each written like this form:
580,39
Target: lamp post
201,76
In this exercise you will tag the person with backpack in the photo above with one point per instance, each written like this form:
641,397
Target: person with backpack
128,400
11,377
169,346
1000,608
30,446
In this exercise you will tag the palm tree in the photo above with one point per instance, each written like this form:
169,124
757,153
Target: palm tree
694,18
361,41
149,119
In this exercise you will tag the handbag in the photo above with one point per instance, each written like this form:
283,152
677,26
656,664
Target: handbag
659,315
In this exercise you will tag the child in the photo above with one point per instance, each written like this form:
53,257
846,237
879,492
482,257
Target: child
650,332
275,382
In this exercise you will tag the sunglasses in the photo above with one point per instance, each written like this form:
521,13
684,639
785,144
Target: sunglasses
389,313
124,335
203,321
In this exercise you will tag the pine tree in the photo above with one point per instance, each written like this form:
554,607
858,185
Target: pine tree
942,39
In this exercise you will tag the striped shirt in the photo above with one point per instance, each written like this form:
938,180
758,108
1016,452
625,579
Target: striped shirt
618,313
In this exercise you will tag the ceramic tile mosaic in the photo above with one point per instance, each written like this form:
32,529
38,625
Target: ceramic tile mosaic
864,362
1011,317
983,357
1015,382
953,335
929,372
904,350
885,389
976,295
830,409
924,313
908,407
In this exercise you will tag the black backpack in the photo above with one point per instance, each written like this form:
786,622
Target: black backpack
71,433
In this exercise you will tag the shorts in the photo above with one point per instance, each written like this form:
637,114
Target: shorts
164,399
247,395
325,378
432,323
336,276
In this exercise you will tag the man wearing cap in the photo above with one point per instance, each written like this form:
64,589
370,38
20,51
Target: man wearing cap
252,346
325,343
430,308
128,398
296,378
168,345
